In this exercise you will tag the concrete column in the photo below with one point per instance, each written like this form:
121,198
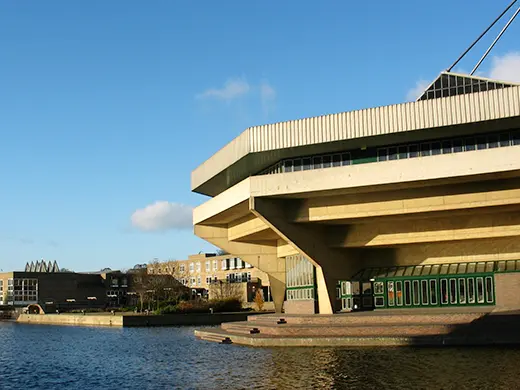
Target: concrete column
277,293
310,241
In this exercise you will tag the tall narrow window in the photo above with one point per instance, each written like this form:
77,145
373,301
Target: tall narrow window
489,289
382,154
471,290
407,293
424,291
469,144
444,291
316,162
416,293
413,151
462,291
480,290
453,291
399,293
391,297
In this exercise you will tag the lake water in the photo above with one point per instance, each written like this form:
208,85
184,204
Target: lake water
52,357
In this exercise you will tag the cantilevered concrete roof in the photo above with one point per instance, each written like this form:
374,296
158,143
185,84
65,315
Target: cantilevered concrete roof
260,146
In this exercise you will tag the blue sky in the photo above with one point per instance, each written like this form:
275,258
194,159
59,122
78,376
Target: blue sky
107,106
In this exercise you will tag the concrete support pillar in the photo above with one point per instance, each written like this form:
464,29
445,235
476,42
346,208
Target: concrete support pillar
331,264
277,293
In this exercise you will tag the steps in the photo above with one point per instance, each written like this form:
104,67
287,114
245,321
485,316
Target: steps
370,329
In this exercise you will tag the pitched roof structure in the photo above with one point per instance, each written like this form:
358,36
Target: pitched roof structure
454,84
41,266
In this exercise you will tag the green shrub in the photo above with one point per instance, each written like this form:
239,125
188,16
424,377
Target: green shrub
187,307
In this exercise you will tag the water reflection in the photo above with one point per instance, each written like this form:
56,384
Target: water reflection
48,357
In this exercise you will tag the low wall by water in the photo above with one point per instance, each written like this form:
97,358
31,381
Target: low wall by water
131,320
72,319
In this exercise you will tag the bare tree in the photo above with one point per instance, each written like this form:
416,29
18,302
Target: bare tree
226,290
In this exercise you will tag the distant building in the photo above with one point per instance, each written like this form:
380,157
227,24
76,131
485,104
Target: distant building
208,274
43,283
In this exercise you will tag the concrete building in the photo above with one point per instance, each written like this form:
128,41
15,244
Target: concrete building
409,205
205,274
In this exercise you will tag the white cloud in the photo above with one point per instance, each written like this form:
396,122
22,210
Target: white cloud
232,89
267,96
506,67
162,215
417,91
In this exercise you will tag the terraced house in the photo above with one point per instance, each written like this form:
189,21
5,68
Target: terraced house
409,205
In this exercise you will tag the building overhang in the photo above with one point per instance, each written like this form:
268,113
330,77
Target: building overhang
259,147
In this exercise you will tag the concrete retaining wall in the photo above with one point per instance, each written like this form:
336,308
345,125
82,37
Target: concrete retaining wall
72,319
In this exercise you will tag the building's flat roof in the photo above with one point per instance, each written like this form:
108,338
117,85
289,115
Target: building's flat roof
260,146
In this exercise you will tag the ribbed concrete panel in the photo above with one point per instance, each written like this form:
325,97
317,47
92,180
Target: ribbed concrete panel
454,110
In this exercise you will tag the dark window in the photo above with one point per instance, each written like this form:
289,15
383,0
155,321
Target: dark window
446,147
306,164
457,146
345,159
336,160
444,291
433,292
407,293
453,291
392,153
288,166
403,152
515,138
297,163
424,291
326,161
492,141
436,148
425,150
382,155
481,143
316,163
413,151
469,144
504,139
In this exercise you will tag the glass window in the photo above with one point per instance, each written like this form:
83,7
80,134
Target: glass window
424,291
471,290
453,291
457,146
392,153
336,160
297,164
345,159
413,151
382,154
327,161
416,293
481,143
316,162
489,289
306,163
379,288
444,291
403,152
492,141
399,293
504,139
446,147
515,138
288,166
469,144
436,148
407,293
391,298
425,150
480,290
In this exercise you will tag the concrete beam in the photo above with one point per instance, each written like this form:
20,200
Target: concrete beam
309,241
